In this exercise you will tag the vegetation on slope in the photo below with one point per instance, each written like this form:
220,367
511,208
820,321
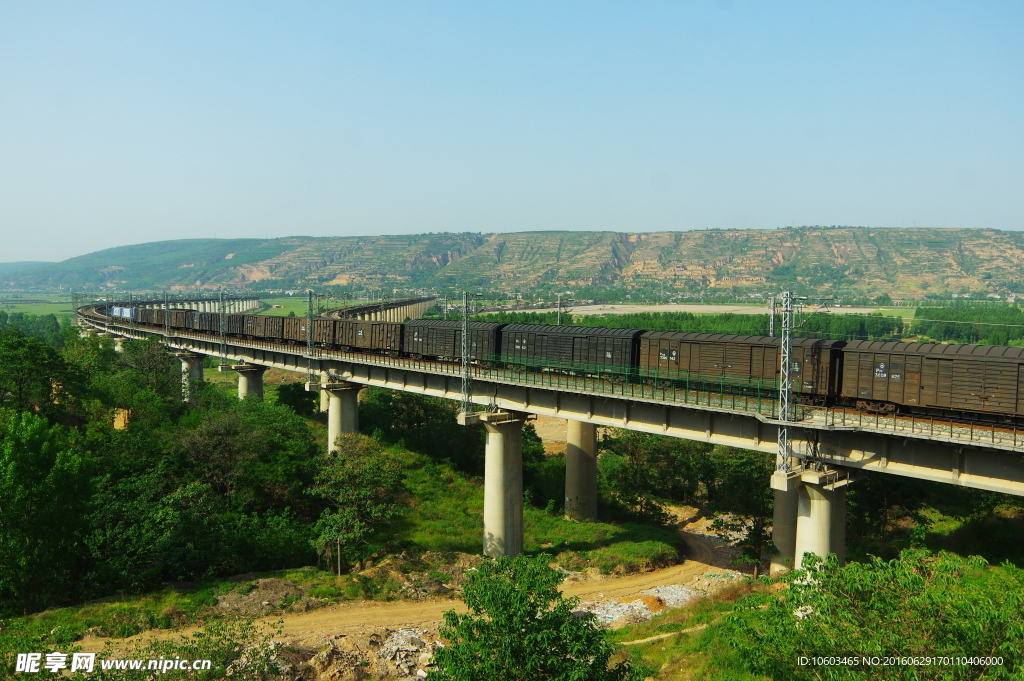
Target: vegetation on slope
851,262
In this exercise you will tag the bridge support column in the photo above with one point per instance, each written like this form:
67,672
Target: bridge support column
250,380
581,470
342,411
784,531
813,521
503,484
191,372
325,399
810,515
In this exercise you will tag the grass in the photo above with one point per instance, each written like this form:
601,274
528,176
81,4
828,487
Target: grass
444,515
176,606
37,303
998,537
447,515
682,655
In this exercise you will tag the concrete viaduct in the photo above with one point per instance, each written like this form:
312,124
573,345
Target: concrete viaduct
831,445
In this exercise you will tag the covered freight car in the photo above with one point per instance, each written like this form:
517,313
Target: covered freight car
442,339
368,336
749,364
264,326
294,330
933,377
570,349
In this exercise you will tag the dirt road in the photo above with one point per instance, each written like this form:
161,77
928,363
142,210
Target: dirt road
350,618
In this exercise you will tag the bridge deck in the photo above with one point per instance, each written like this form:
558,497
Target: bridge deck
764,406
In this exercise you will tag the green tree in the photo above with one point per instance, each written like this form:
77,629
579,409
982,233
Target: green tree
361,487
33,376
44,488
741,499
638,469
151,365
519,627
256,454
920,604
303,402
424,424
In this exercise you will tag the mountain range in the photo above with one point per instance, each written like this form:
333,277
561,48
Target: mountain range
902,262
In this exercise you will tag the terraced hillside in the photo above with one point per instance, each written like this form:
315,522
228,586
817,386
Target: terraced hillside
845,260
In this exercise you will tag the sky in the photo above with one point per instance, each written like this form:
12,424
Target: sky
129,122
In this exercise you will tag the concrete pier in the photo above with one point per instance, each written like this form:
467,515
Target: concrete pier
581,470
810,516
784,531
503,484
250,380
342,411
324,397
191,371
813,521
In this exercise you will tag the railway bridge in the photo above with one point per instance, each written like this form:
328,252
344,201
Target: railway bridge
831,445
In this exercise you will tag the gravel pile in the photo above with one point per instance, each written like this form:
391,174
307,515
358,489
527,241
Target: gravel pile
674,595
609,611
617,613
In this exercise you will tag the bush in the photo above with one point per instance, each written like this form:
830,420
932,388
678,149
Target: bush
521,628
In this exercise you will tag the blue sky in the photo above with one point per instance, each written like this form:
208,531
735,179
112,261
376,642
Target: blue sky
130,122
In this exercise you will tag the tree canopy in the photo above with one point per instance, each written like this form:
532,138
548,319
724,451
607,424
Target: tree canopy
520,628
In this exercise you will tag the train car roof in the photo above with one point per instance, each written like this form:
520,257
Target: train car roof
453,323
573,330
944,349
689,337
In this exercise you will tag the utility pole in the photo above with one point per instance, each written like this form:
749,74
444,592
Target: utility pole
222,310
785,384
466,416
309,335
559,309
771,316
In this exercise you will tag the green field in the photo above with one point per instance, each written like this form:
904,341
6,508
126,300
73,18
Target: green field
36,303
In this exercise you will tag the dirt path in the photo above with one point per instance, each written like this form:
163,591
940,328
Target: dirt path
347,618
351,618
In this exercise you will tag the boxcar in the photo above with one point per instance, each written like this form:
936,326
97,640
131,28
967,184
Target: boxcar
264,326
323,332
208,322
746,363
294,330
273,327
235,324
254,326
178,318
887,377
442,339
575,349
372,336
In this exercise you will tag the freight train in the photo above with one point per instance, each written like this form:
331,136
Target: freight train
972,382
